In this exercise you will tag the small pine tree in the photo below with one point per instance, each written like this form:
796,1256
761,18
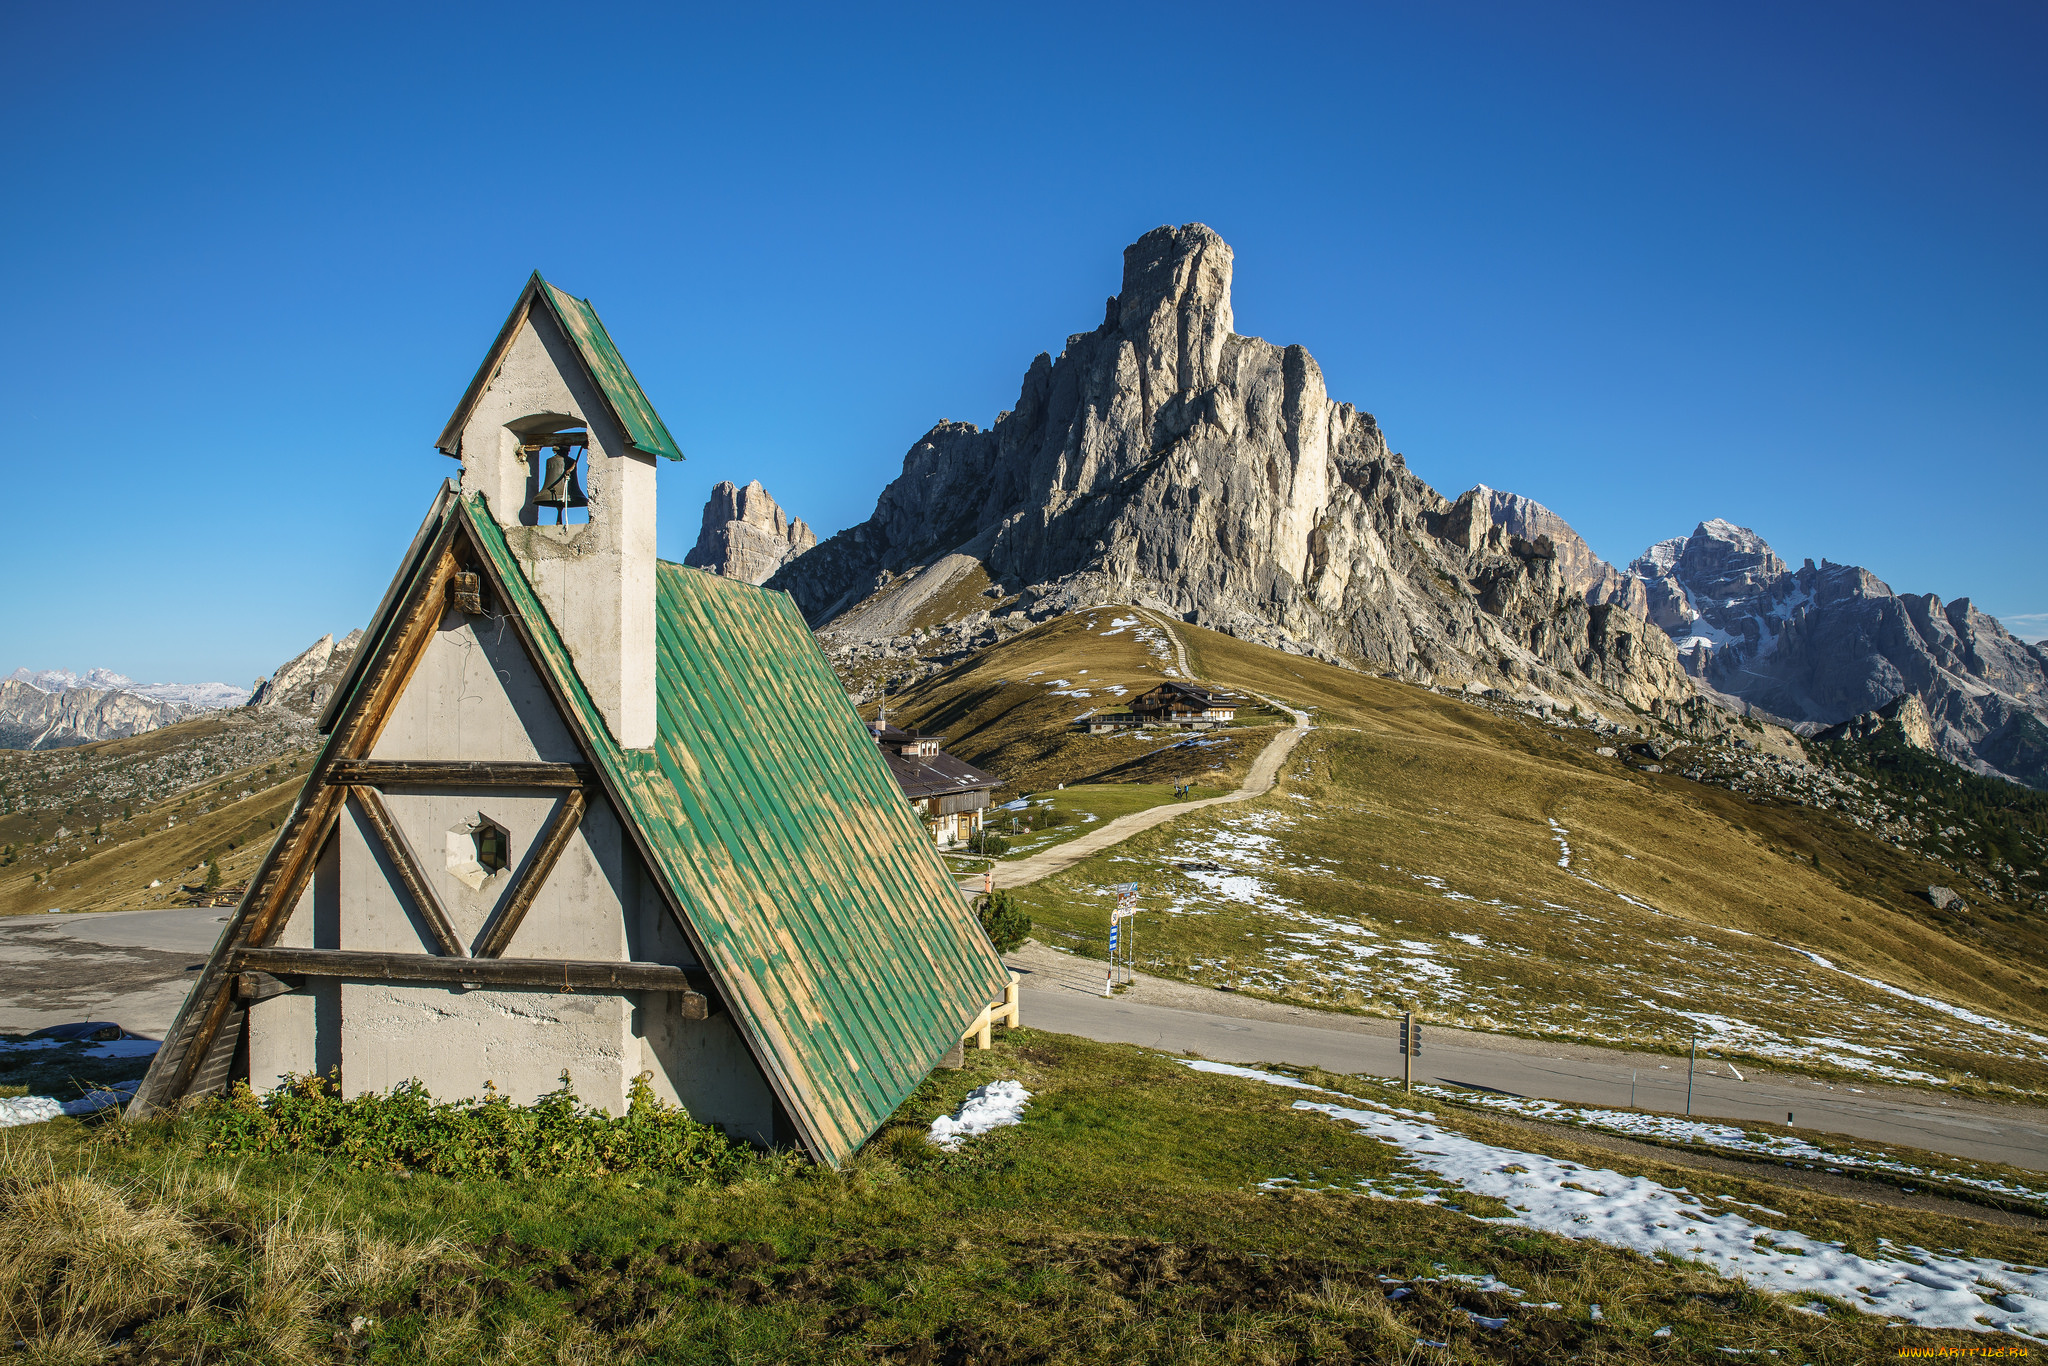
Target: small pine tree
213,873
1007,924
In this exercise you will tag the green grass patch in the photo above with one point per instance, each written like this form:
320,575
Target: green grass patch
1078,810
1123,1220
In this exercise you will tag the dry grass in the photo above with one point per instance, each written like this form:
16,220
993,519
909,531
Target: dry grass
1009,709
113,870
1129,1218
86,1257
1410,859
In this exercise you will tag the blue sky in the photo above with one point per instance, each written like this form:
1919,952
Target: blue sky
1645,263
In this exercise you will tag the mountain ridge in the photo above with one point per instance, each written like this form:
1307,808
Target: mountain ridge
1164,460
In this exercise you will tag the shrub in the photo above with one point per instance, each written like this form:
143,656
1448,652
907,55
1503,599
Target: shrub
988,842
1005,920
492,1137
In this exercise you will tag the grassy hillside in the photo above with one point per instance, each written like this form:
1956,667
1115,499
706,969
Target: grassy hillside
89,828
1489,868
1143,1211
1010,708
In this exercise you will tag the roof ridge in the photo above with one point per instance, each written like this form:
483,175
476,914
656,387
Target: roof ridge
603,365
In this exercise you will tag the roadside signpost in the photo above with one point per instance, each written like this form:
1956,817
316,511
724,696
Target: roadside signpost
1122,942
1411,1048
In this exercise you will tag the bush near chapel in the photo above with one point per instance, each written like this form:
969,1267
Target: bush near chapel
1007,924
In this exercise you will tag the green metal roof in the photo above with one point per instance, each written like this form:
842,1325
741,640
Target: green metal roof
601,361
838,939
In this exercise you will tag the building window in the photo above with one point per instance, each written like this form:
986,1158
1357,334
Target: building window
478,850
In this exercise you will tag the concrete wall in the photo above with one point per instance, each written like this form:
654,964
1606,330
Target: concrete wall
596,580
300,1034
704,1066
475,696
455,1040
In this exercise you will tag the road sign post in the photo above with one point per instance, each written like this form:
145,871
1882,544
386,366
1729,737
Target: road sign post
1411,1048
1119,937
1690,1066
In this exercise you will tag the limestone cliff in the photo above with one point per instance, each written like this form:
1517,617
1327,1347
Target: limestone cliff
304,683
36,718
1165,460
746,534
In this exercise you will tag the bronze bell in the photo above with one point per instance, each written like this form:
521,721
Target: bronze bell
560,486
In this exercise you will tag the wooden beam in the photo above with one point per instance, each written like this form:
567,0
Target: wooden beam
438,773
288,865
394,842
560,974
561,828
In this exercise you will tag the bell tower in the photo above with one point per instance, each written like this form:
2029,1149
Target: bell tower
557,436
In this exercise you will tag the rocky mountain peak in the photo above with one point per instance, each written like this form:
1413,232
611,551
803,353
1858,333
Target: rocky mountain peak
746,534
1577,565
1164,460
305,683
1833,646
1175,307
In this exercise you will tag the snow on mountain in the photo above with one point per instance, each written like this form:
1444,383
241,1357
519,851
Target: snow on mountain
195,696
1823,643
198,696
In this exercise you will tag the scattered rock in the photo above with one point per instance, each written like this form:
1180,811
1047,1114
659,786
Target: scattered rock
1943,898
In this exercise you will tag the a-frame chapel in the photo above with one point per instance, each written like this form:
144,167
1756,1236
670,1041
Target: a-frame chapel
582,809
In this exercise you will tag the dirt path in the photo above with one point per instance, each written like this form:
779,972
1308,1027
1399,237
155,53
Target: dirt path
1265,770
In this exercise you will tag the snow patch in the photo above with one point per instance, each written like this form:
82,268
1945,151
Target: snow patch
17,1110
993,1106
1927,1289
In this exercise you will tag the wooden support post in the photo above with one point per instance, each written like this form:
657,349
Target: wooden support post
408,867
977,1029
568,816
1012,994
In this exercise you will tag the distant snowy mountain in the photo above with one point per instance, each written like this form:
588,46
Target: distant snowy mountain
193,696
197,696
1822,644
1815,646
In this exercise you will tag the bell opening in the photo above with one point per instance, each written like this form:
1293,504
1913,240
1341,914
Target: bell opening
556,451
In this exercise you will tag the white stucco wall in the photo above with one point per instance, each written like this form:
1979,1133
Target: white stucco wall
300,1034
474,696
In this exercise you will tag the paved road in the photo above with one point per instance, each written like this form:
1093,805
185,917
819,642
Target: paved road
134,967
1064,993
131,967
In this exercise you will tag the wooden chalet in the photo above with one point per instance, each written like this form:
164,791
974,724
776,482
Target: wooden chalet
951,796
1185,706
580,809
